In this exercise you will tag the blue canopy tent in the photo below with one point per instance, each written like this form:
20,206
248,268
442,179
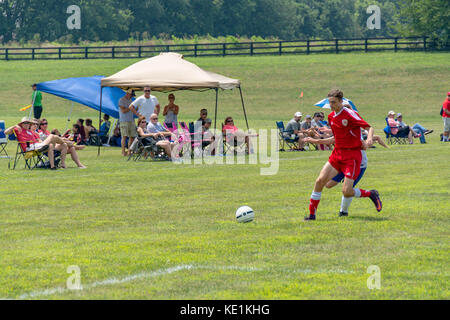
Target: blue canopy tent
86,92
325,103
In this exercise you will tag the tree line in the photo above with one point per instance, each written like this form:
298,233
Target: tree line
115,20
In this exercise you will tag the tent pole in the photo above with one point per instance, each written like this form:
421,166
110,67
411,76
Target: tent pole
215,114
68,118
243,107
100,116
32,105
111,131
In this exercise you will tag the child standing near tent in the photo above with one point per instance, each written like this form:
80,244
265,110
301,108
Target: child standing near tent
36,100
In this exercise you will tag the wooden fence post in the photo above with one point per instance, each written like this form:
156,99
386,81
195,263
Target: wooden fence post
280,48
224,53
307,47
140,52
251,48
396,45
195,50
86,52
366,45
424,43
337,46
113,52
6,54
59,53
32,54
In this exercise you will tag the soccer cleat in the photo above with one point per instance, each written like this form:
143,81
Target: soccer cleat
310,217
343,214
375,197
428,132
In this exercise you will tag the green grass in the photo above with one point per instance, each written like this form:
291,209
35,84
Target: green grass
119,219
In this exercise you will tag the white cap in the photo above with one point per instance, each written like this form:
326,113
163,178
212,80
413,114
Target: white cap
391,113
399,115
298,114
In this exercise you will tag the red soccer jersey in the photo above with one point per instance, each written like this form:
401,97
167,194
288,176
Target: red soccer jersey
346,126
446,106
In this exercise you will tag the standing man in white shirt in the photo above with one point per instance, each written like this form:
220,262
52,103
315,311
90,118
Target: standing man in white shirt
145,105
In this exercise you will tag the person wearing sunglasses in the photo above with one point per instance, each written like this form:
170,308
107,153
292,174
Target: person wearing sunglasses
203,116
234,134
145,105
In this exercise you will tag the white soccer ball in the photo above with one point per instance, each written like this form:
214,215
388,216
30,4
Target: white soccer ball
245,214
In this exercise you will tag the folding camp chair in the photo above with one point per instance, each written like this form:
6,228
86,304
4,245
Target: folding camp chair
94,139
141,151
34,159
198,142
284,139
3,141
172,127
188,140
393,138
231,142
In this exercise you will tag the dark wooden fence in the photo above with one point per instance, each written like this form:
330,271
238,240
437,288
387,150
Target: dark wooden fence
223,49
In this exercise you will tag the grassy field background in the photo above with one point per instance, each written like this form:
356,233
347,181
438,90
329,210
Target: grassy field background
166,231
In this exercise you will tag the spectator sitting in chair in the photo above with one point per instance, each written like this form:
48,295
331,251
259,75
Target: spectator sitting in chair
293,130
208,138
321,128
116,138
322,119
160,134
30,140
75,134
419,130
306,125
234,134
400,132
104,129
203,116
82,131
307,129
71,148
149,138
89,129
397,129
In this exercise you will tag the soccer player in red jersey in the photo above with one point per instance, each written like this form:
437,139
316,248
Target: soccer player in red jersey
346,125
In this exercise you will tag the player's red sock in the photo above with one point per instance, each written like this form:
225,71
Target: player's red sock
360,193
314,202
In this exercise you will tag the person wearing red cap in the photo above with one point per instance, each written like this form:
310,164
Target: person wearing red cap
446,117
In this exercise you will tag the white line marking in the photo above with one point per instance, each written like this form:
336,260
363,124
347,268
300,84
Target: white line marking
167,271
111,281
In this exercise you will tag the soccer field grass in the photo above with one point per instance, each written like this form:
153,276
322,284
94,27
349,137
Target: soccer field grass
155,230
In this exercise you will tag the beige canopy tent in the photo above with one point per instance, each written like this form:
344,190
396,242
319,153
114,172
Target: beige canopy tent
170,72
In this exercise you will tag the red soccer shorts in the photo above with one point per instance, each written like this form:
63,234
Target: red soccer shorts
347,161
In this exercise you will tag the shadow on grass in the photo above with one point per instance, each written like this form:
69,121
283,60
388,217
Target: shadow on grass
365,218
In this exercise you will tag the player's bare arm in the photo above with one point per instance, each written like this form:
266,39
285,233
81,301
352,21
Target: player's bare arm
327,141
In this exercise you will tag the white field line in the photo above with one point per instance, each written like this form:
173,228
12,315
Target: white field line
167,271
161,272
